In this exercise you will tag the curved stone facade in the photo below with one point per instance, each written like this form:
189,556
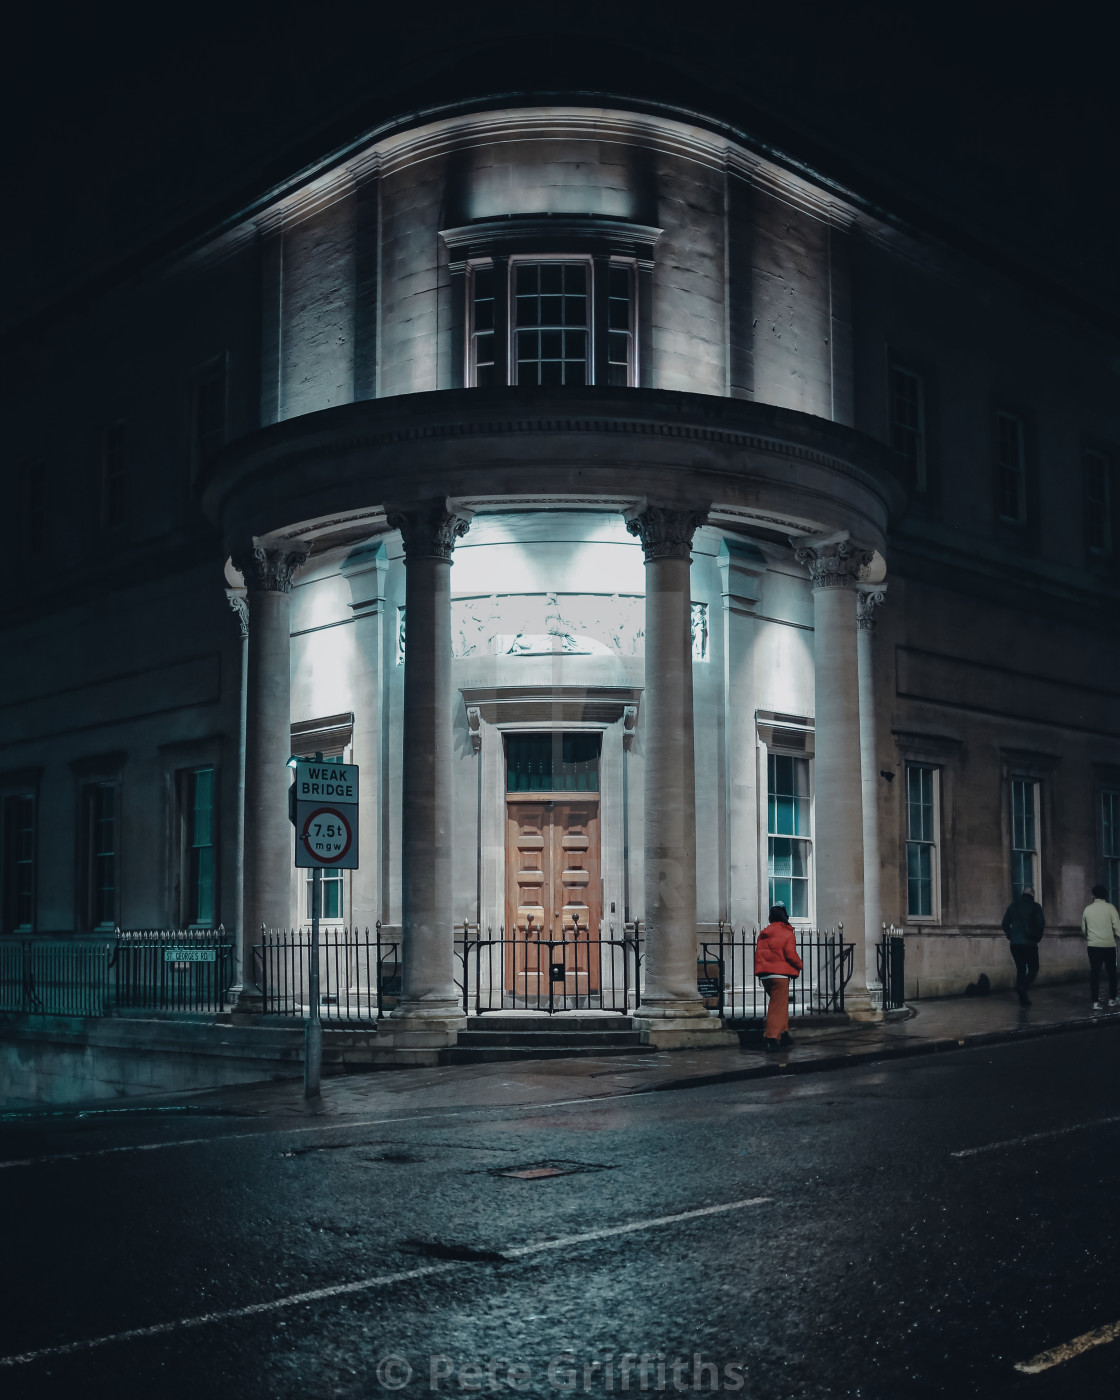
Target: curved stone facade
595,424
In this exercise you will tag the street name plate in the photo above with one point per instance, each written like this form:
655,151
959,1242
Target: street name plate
188,955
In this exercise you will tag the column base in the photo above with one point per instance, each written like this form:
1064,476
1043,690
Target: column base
423,1024
681,1023
862,1004
246,999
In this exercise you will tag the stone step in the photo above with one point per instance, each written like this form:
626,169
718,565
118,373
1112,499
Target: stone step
494,1054
541,1021
544,1038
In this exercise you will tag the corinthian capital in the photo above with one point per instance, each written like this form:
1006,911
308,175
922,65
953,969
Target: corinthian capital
834,563
868,598
665,532
270,568
429,531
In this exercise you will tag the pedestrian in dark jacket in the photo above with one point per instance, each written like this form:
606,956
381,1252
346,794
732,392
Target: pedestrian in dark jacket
1024,925
775,963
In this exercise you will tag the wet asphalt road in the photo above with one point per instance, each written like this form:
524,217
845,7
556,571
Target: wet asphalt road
875,1264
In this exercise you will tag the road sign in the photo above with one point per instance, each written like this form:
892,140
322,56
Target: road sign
326,816
326,836
333,783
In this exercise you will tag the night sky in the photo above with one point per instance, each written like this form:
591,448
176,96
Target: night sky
132,126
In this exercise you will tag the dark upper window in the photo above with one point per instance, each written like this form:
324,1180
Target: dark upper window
1110,843
208,412
19,863
557,317
33,512
908,421
1098,503
115,482
1011,471
198,815
102,828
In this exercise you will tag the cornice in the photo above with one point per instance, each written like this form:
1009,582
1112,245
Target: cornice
443,416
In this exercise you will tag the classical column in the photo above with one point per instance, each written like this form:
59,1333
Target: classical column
868,598
835,565
267,898
236,599
670,1011
430,999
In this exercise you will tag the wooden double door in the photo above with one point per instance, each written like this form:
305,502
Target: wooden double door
553,891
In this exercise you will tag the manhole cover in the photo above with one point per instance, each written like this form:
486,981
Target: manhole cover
535,1171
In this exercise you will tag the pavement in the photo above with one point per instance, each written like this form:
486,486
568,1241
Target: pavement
937,1222
946,1024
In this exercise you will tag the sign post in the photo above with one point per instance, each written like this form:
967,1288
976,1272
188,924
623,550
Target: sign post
325,814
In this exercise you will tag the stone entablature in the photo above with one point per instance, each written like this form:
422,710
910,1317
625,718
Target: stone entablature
495,447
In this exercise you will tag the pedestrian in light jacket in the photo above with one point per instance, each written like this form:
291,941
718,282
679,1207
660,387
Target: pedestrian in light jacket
1024,925
776,963
1100,924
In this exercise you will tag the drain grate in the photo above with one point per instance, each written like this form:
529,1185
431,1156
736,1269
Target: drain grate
538,1171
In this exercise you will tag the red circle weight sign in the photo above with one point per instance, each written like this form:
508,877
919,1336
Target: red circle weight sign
327,835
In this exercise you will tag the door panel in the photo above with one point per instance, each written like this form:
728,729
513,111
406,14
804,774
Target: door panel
552,891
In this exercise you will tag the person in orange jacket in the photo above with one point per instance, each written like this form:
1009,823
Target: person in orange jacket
775,963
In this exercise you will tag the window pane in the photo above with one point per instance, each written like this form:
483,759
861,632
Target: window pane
551,296
200,834
1009,451
19,863
552,762
103,857
789,875
1098,508
919,880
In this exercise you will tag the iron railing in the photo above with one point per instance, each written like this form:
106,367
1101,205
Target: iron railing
890,957
55,976
172,969
725,973
534,969
359,973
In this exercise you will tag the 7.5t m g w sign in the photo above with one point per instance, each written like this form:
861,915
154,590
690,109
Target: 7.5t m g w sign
326,816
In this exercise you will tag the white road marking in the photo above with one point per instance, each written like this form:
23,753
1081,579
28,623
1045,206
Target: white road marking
361,1285
1036,1137
1068,1350
318,1128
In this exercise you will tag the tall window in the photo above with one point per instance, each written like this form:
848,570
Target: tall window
908,421
482,326
102,826
921,841
788,833
208,413
561,330
19,863
333,895
1098,503
1110,843
34,508
1024,835
1011,468
620,327
200,847
114,478
551,325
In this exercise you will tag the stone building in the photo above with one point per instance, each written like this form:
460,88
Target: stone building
753,543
